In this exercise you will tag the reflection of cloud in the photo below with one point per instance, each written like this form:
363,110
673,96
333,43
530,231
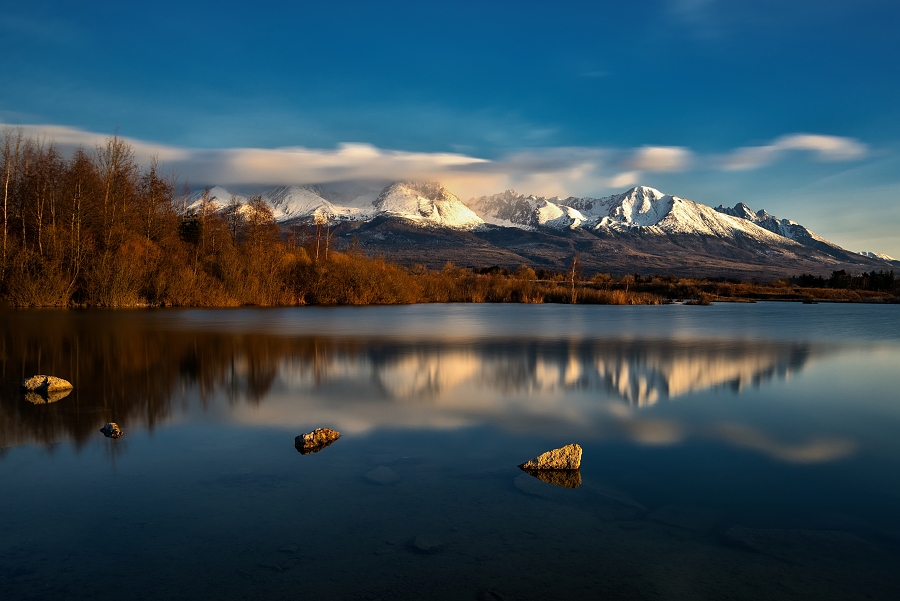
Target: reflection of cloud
814,451
655,432
824,148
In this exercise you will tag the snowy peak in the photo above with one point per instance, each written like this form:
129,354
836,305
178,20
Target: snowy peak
426,203
318,203
640,209
511,209
211,199
786,228
641,206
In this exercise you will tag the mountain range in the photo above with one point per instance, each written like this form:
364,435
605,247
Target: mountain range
639,231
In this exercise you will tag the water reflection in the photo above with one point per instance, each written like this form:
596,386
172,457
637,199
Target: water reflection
129,371
38,398
563,478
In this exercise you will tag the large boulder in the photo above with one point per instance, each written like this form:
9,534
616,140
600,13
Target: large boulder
315,441
45,384
563,458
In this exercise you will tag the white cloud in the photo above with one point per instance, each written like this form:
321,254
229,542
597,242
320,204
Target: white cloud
551,171
661,158
626,178
824,148
68,139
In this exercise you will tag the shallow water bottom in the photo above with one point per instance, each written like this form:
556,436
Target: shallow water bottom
201,512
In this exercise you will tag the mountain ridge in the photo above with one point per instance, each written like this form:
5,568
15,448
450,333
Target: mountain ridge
642,227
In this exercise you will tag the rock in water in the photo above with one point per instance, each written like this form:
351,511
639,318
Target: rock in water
315,441
563,458
382,475
112,430
45,384
426,545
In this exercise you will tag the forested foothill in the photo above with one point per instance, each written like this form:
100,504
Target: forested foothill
95,229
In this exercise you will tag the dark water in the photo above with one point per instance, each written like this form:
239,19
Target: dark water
732,451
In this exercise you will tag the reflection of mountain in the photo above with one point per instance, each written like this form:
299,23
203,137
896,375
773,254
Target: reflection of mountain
639,372
127,369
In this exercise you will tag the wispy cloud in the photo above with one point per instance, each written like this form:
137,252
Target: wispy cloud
548,171
824,148
661,158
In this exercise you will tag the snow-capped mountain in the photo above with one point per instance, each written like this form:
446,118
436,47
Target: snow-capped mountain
318,203
639,209
782,227
798,233
215,199
641,230
426,203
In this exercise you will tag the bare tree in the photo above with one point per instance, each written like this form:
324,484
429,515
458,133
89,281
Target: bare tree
10,150
118,170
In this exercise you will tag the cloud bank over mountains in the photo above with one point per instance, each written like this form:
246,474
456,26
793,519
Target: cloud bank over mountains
550,171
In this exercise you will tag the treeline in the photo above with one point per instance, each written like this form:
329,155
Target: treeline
881,280
96,229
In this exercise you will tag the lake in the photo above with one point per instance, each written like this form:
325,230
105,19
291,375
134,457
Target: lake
746,451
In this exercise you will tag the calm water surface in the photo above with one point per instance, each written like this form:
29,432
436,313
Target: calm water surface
731,451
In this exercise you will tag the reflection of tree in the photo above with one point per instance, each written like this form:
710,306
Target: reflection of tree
124,369
128,369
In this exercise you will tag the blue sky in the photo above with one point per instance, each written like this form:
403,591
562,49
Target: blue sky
788,106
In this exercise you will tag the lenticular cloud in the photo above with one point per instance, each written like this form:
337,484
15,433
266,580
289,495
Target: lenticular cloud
554,170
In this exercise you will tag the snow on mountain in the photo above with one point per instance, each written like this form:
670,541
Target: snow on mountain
217,199
788,229
311,202
638,209
782,227
510,209
881,256
426,203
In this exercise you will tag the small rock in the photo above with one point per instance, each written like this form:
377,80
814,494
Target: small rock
315,441
112,430
563,458
45,384
490,595
382,475
426,545
289,549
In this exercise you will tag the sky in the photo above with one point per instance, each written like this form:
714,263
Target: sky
787,106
